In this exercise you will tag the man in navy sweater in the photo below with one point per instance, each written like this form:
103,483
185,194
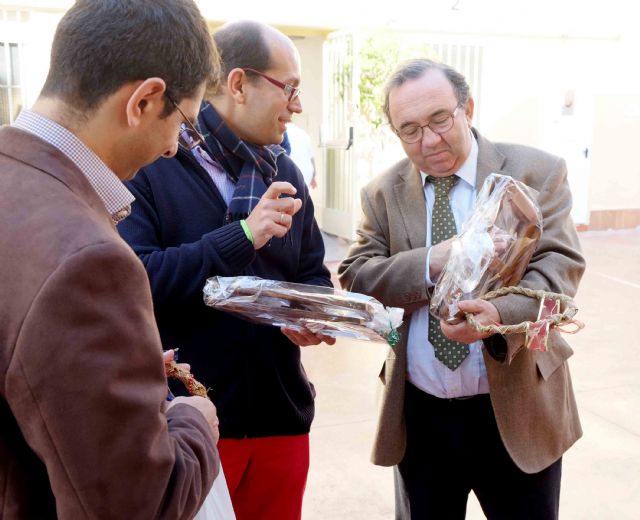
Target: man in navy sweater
233,203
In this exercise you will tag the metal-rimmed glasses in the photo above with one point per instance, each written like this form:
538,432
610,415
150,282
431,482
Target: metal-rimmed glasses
188,135
439,124
289,90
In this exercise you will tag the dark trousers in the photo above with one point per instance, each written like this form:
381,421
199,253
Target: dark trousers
453,447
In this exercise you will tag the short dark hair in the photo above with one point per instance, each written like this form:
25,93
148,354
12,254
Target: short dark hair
414,69
101,45
242,45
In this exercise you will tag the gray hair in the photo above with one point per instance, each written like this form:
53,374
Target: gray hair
414,69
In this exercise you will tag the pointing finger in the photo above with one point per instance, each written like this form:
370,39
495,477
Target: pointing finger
279,188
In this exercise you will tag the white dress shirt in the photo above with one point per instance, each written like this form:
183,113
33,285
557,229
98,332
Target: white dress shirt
301,151
225,185
423,369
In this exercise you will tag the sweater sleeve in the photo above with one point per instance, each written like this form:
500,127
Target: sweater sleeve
311,268
178,273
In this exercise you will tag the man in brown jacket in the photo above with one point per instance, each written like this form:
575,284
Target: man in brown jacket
478,413
85,429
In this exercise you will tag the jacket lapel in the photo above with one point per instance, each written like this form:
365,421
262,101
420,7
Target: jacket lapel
410,200
409,191
490,160
30,149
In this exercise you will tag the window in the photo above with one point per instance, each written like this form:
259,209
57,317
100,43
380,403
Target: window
10,82
466,59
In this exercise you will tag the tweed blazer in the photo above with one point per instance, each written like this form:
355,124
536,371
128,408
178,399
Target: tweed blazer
531,392
82,386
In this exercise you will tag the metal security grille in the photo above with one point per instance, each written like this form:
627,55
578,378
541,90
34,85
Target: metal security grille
341,203
346,167
466,59
11,80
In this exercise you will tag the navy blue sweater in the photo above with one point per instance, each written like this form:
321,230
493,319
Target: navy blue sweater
177,228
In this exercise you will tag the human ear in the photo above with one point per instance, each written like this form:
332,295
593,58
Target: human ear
147,97
469,111
236,85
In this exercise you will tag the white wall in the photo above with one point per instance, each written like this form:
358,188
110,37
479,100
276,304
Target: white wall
525,85
310,49
524,82
37,51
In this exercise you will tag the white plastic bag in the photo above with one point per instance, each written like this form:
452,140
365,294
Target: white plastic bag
325,310
217,505
494,247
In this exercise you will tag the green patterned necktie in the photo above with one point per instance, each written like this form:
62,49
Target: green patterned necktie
443,226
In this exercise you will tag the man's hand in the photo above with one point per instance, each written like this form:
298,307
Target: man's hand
169,355
305,337
440,252
205,407
483,311
273,216
438,258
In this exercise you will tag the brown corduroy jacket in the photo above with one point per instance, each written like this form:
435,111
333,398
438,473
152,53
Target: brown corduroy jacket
82,389
531,392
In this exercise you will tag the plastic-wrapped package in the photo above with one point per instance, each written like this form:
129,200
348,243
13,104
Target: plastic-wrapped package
494,247
332,312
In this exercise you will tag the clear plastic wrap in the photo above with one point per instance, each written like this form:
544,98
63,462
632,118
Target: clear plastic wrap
494,247
332,312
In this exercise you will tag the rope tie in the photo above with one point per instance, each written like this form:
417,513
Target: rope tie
194,387
558,320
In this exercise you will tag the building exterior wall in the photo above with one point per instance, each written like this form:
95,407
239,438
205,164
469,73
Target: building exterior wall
310,49
578,97
526,84
32,29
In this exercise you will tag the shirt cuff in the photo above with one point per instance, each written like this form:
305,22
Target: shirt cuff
430,284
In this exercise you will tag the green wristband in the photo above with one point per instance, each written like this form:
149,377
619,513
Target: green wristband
246,230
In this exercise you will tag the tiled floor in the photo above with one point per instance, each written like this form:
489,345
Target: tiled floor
601,473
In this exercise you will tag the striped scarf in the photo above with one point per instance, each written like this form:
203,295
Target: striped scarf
251,167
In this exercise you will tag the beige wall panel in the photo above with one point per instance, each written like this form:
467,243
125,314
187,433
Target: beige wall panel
616,164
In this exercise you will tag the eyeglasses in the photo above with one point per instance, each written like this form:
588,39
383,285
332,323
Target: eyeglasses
440,124
289,90
188,135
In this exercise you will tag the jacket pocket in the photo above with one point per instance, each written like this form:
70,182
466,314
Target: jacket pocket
558,351
382,375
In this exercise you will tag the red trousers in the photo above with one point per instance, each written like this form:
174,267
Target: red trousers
266,475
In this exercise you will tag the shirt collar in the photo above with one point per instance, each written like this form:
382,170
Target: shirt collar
115,196
469,170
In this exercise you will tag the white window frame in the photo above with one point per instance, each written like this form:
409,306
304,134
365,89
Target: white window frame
8,89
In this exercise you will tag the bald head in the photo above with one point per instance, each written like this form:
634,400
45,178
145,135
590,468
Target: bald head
261,74
247,44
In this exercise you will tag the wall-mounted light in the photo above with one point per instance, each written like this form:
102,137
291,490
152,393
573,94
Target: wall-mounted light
568,103
569,97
